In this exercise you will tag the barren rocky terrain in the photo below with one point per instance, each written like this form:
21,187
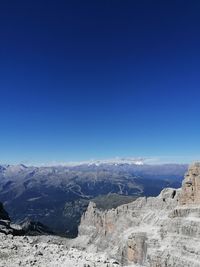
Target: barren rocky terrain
162,231
47,252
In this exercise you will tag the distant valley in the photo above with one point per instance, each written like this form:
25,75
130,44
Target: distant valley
57,196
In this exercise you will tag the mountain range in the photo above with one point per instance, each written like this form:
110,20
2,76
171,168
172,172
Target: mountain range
57,196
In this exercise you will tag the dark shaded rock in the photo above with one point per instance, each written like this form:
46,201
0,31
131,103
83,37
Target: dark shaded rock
3,214
29,227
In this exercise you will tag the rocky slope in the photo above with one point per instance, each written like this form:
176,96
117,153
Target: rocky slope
23,251
16,249
158,231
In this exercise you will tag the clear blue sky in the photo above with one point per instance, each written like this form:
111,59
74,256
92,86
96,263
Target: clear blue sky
99,79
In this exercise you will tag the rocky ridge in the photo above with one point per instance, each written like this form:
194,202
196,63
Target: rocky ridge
156,231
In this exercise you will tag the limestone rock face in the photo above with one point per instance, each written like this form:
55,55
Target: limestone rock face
191,186
161,231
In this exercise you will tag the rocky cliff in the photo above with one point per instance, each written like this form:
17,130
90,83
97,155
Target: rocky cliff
154,232
191,186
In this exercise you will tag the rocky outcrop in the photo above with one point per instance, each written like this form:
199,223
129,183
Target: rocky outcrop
161,231
135,249
191,186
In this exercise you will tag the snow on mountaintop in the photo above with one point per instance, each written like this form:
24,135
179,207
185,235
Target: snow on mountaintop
114,161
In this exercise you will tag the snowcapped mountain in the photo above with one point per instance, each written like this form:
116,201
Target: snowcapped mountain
113,161
118,161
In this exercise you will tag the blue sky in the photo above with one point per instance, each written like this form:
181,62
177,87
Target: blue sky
86,80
